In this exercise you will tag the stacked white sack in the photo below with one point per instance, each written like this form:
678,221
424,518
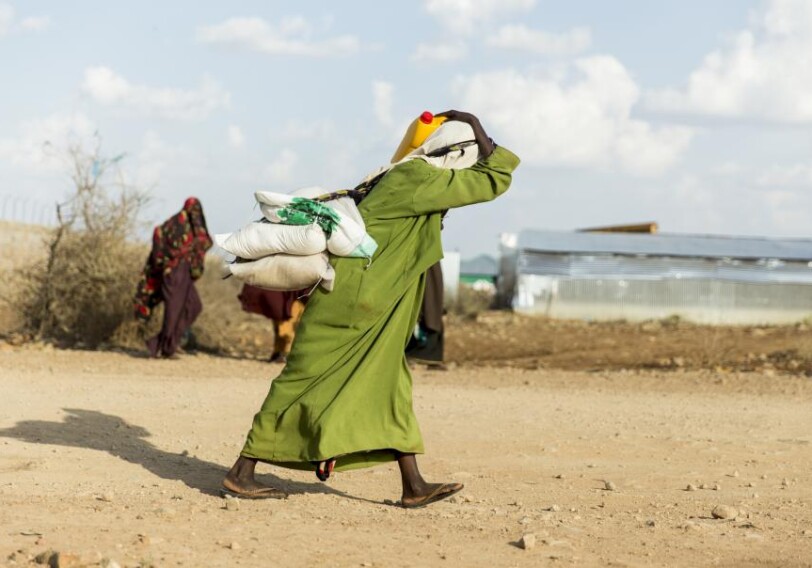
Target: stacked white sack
260,238
286,272
349,238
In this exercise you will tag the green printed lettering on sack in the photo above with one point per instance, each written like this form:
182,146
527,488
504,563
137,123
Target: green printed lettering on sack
304,211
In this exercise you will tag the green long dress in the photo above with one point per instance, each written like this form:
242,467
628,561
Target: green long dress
346,391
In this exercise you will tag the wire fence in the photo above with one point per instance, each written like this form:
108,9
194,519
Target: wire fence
23,209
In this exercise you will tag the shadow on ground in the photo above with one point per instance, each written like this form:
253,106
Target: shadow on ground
95,430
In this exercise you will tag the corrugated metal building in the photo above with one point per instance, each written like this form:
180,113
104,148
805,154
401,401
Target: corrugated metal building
705,279
482,269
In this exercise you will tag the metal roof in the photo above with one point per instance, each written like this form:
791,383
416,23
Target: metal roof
482,264
665,244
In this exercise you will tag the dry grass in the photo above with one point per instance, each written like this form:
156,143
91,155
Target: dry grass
84,294
93,282
470,302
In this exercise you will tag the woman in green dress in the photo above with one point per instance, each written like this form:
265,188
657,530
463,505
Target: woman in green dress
344,400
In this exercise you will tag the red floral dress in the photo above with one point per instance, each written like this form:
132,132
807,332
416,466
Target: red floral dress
182,237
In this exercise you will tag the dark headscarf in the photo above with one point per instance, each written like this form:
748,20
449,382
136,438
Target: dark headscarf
182,237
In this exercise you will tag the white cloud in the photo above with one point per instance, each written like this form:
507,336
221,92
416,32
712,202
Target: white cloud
107,87
520,37
9,23
236,139
158,160
579,118
291,36
728,169
294,129
36,24
6,18
796,175
281,170
382,99
462,16
764,72
42,144
440,52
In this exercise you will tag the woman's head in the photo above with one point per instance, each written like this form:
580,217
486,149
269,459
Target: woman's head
191,203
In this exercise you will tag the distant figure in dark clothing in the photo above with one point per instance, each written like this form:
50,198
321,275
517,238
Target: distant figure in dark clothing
426,344
284,309
179,248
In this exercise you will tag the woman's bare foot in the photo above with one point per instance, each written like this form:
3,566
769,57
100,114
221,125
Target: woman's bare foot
416,491
429,493
239,482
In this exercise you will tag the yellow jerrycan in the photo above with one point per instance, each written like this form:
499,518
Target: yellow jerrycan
416,134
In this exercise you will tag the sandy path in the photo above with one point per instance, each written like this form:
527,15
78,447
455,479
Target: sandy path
107,455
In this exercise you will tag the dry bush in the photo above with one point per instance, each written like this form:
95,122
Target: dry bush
86,292
470,302
82,292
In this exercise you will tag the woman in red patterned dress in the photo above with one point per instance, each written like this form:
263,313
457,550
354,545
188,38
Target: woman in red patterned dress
179,248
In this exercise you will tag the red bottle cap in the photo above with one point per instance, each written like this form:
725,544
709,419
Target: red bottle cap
426,117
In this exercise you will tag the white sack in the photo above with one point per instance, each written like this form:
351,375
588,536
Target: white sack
259,239
350,237
286,272
270,203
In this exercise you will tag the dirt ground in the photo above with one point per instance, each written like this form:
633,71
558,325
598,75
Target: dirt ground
504,338
107,455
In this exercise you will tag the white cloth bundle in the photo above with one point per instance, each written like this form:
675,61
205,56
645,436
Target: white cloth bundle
259,239
449,134
286,272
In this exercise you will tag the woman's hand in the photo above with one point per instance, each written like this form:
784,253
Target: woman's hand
486,145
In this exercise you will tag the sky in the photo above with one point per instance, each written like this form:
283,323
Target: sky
692,114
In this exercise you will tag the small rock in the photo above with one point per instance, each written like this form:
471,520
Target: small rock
609,486
724,512
232,505
751,484
560,476
527,541
108,563
525,521
554,508
234,546
106,497
45,557
702,486
651,523
735,474
65,560
690,487
785,482
716,487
